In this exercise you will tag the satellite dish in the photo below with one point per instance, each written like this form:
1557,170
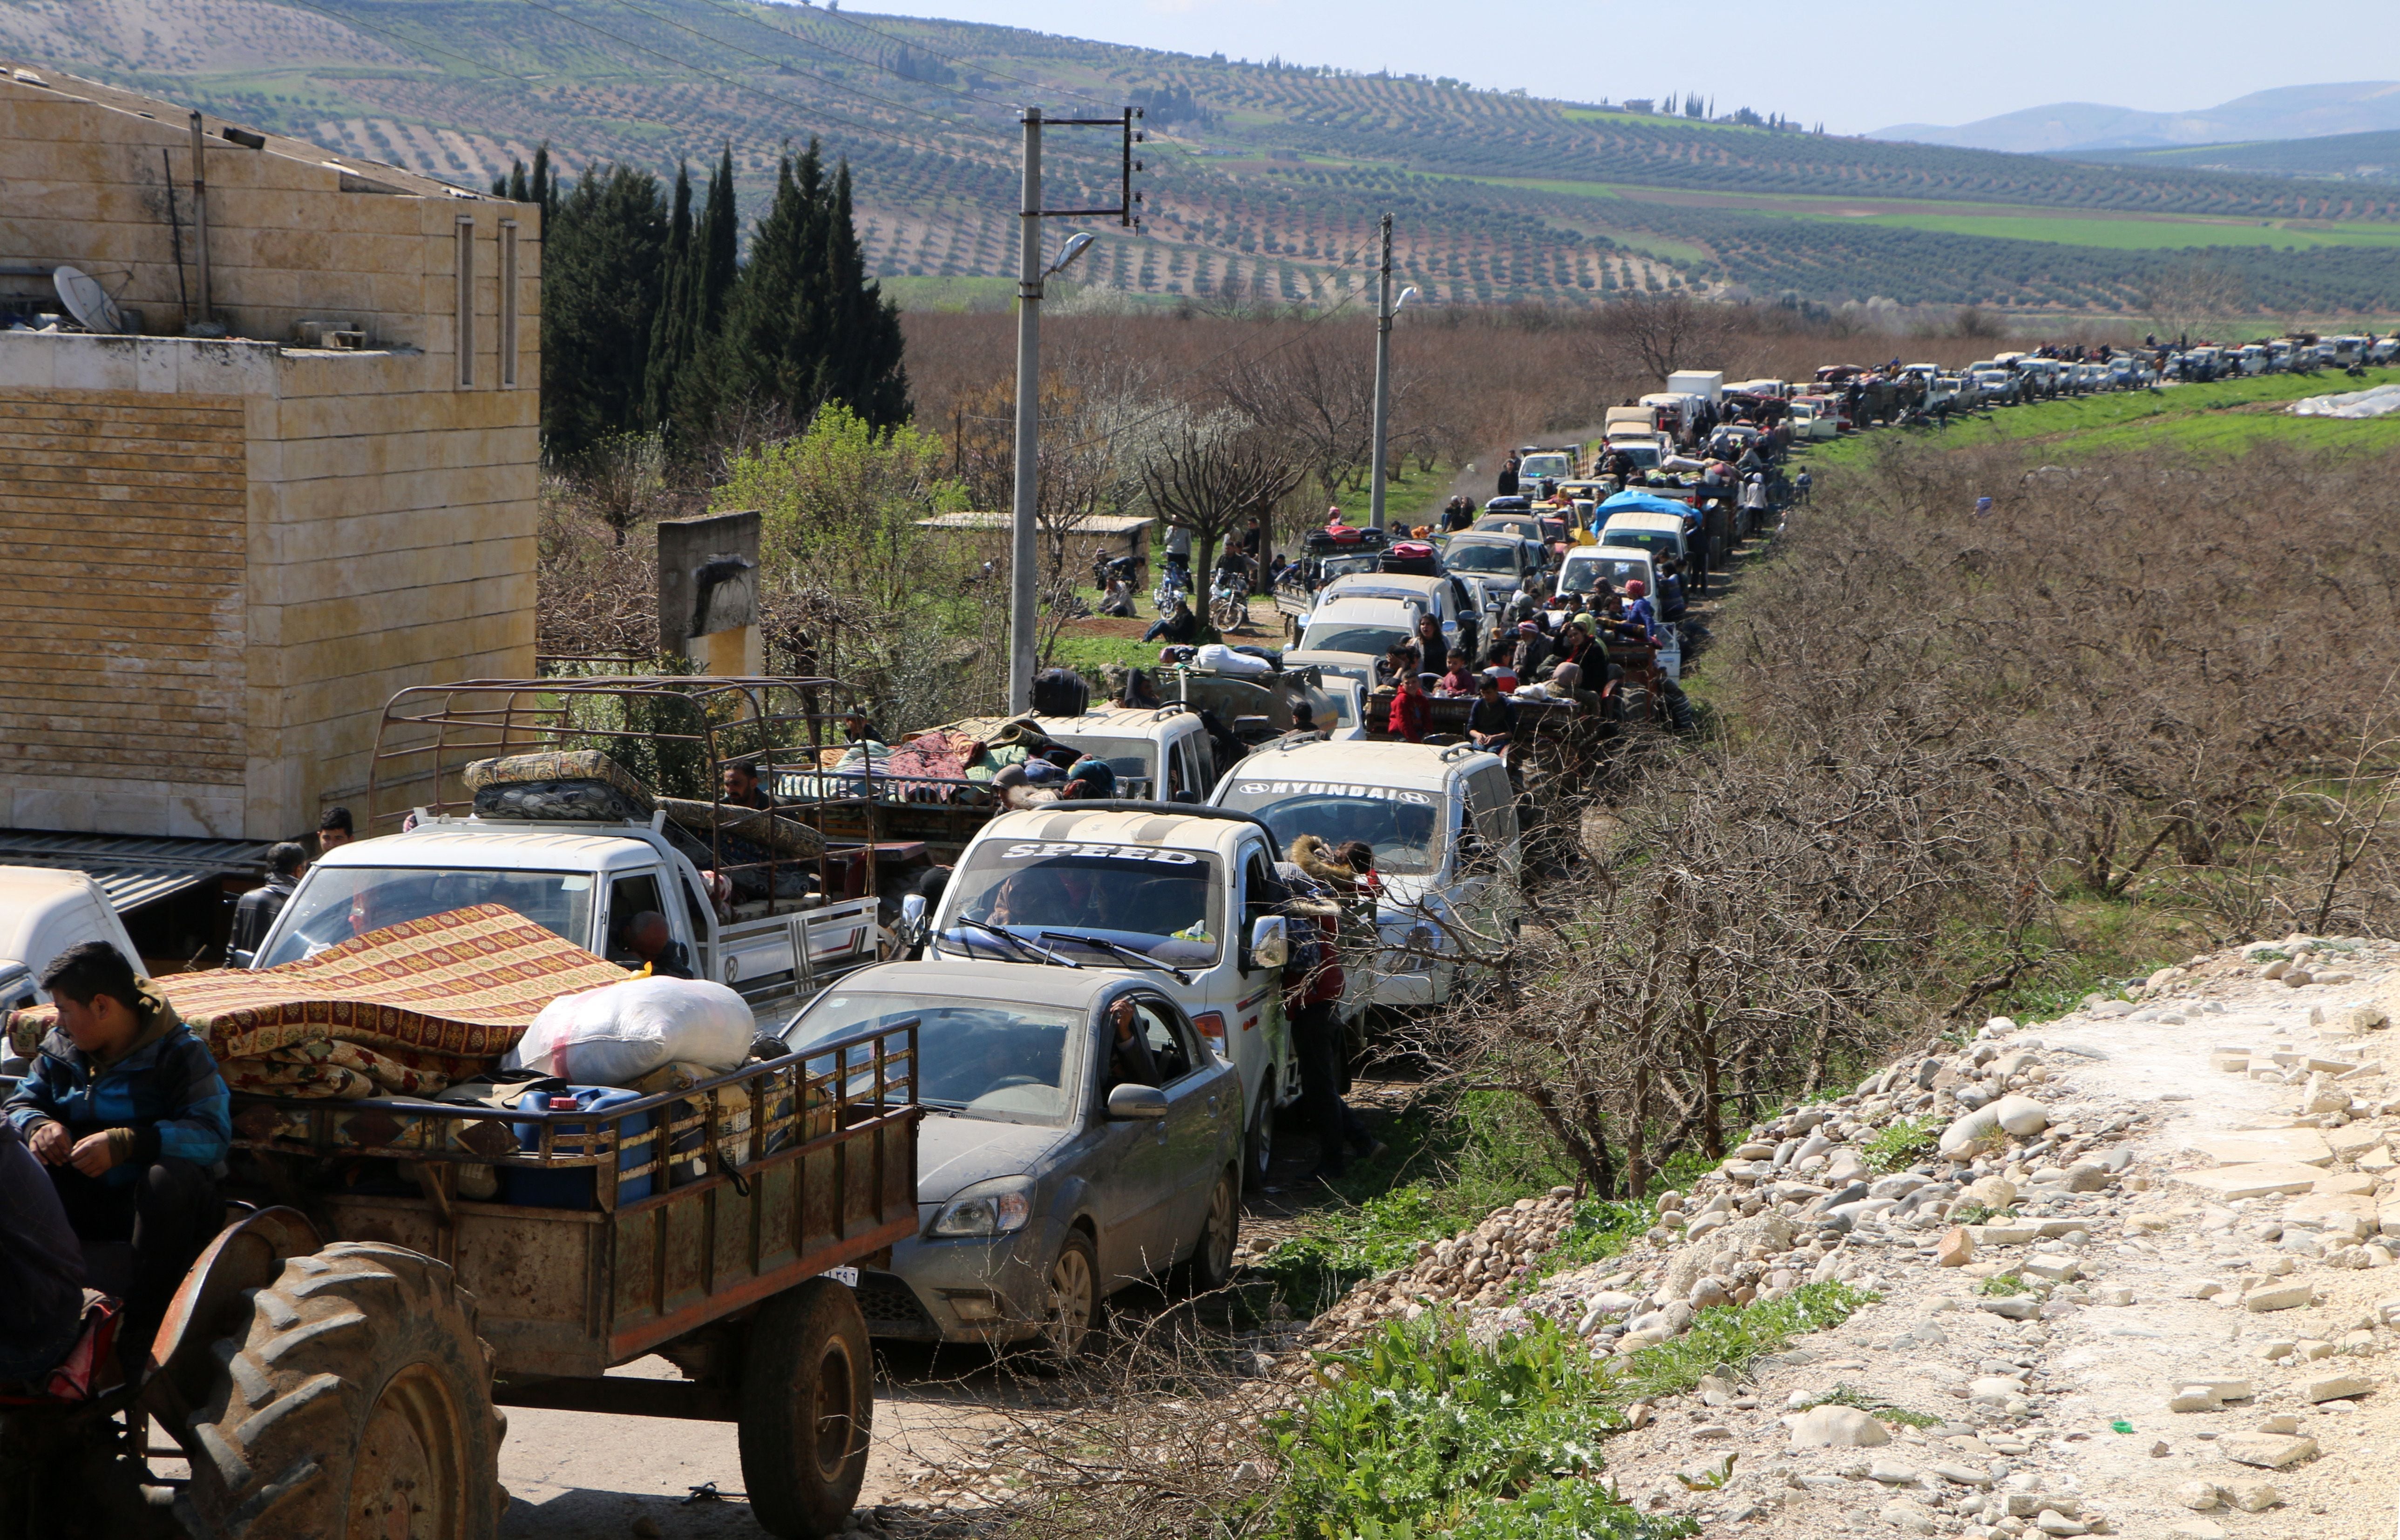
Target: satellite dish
87,301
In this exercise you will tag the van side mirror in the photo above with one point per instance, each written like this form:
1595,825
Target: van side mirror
911,928
1270,943
1136,1104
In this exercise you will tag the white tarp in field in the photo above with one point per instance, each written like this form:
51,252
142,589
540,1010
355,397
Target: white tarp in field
2382,401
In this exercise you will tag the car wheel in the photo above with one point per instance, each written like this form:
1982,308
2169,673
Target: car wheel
1257,1145
1212,1258
1071,1304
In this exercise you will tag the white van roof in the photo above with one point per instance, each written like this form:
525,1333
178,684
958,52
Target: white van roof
1639,518
1405,587
1361,762
1060,822
1362,609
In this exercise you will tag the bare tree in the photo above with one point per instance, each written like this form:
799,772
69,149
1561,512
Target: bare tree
622,481
1211,472
1320,390
2190,294
1666,332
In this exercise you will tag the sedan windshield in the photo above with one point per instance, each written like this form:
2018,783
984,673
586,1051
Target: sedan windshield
1072,899
1334,637
985,1058
338,904
1480,558
1403,825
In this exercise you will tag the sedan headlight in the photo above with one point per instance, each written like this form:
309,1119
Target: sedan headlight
997,1208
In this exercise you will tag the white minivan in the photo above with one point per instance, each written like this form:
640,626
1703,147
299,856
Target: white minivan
1590,567
1443,825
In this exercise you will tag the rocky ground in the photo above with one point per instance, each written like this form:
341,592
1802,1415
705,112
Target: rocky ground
2130,1268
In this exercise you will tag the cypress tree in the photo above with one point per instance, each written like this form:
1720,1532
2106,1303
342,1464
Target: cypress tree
805,324
719,237
774,331
544,188
862,365
601,259
673,339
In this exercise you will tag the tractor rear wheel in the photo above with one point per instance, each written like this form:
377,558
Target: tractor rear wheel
357,1404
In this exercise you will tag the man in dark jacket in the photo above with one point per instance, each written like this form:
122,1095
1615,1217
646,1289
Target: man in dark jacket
1506,483
126,1108
255,914
41,1266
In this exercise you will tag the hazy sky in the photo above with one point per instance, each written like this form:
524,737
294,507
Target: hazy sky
1854,66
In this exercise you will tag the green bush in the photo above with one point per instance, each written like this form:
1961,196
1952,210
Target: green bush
1426,1428
1425,1433
1904,1142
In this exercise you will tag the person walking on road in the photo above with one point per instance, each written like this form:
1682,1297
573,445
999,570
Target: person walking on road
1507,484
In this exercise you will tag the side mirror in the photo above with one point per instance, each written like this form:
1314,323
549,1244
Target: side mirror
1136,1104
239,957
1270,943
912,920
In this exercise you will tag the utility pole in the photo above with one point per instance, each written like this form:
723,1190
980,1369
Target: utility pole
1383,308
1023,600
1024,590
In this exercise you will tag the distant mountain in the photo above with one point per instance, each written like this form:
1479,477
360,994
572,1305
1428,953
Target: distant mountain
2287,112
2337,158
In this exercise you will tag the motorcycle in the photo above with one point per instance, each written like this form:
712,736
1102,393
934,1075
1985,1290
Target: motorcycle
1173,587
1229,603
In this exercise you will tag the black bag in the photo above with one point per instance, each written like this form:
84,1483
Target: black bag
1060,692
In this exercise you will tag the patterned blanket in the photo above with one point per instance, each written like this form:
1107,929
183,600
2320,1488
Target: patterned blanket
407,1009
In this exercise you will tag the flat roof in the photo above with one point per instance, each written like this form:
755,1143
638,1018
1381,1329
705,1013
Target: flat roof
135,869
1103,523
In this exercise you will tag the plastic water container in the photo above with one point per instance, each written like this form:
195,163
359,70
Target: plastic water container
576,1187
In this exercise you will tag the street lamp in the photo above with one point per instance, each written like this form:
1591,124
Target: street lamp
1076,246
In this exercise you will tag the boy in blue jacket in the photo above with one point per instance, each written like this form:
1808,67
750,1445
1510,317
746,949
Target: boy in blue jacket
127,1109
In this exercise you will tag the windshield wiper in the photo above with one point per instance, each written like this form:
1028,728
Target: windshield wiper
1138,959
1044,953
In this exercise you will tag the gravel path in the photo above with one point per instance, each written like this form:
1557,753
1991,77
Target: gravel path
2202,1351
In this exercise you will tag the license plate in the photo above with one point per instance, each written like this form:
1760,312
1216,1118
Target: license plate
847,1275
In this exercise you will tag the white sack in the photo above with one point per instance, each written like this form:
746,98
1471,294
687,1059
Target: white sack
1224,660
617,1034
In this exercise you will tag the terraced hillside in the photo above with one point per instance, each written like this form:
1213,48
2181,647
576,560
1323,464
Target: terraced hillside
1261,180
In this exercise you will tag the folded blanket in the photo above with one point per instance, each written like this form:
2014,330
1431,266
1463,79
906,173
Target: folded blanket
408,1008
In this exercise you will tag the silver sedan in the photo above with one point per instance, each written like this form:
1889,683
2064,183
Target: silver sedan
1080,1136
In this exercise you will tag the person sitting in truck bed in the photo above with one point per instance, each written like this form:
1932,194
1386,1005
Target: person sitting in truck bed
126,1108
741,790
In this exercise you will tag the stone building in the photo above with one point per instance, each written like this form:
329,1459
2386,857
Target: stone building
220,555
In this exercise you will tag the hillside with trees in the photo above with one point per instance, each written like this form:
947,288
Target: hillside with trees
1262,179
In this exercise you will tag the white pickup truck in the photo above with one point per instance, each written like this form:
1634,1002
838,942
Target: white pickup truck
1184,896
1443,825
584,881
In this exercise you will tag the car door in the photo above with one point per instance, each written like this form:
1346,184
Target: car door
1132,1175
1201,1090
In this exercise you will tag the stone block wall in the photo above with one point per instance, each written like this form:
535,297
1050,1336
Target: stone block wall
221,558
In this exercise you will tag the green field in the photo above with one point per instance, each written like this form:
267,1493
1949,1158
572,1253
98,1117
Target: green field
2207,418
2124,234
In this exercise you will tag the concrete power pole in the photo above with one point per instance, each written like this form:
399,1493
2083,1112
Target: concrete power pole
1383,308
1024,592
1023,611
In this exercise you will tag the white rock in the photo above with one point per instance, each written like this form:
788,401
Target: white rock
2021,1115
2199,1496
1837,1427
